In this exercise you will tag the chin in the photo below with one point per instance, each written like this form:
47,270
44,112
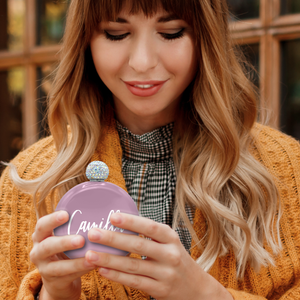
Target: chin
144,114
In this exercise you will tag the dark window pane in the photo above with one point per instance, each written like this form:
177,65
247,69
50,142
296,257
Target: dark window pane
290,88
44,82
11,98
243,9
251,53
289,7
12,17
50,21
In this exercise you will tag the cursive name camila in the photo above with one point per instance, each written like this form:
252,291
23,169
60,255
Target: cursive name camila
86,226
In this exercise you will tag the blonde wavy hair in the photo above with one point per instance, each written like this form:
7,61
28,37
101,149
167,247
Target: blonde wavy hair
215,170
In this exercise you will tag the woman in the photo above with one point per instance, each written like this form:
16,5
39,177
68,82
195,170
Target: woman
154,89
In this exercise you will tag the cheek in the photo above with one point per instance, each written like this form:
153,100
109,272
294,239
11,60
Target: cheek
108,60
184,56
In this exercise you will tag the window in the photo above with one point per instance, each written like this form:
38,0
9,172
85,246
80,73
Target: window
290,87
241,9
30,32
276,29
251,53
50,21
12,87
289,7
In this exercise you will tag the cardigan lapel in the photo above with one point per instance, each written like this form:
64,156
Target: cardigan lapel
110,152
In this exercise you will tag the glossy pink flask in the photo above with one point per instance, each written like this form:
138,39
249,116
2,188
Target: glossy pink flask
89,205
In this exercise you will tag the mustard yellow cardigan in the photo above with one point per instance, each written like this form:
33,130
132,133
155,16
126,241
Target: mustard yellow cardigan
19,278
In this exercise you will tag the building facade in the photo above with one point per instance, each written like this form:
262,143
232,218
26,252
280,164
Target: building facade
268,31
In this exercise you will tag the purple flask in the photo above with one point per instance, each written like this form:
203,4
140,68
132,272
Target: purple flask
90,204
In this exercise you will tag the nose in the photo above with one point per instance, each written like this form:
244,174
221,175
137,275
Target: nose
143,54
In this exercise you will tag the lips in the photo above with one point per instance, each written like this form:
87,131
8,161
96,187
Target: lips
151,82
144,88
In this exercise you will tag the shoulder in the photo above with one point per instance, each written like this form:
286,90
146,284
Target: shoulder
17,212
280,154
275,147
36,159
273,136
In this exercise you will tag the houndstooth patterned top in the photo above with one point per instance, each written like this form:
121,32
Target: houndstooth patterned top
149,172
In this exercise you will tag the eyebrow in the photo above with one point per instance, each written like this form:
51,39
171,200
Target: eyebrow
163,19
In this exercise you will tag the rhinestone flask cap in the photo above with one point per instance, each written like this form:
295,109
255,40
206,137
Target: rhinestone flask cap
89,205
97,171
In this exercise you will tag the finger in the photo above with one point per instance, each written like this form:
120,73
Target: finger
125,264
161,233
73,276
71,268
127,242
55,245
145,284
45,225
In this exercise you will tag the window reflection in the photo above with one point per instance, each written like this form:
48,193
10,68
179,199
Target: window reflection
50,21
289,7
290,88
12,20
251,63
242,9
11,98
251,52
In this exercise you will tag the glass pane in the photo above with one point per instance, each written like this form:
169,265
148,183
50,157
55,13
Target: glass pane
44,82
251,53
290,88
11,98
289,7
50,21
243,9
12,17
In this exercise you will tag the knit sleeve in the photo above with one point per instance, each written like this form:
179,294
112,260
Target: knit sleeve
281,154
31,285
238,295
19,278
17,223
291,294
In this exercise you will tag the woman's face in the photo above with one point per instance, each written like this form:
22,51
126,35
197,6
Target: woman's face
146,63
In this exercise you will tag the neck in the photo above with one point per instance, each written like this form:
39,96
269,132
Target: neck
143,123
140,127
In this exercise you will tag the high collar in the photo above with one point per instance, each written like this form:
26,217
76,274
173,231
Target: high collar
149,147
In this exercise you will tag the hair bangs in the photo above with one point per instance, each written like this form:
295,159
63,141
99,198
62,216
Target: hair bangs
108,10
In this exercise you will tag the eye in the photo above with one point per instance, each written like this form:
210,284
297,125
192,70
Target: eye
115,37
173,36
166,36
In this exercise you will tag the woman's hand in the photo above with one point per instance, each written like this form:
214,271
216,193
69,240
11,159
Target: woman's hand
168,272
60,275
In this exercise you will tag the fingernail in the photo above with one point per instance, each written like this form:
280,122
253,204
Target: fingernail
95,235
61,216
92,256
103,271
76,241
116,218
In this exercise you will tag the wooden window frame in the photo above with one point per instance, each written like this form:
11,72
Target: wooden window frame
29,58
269,30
